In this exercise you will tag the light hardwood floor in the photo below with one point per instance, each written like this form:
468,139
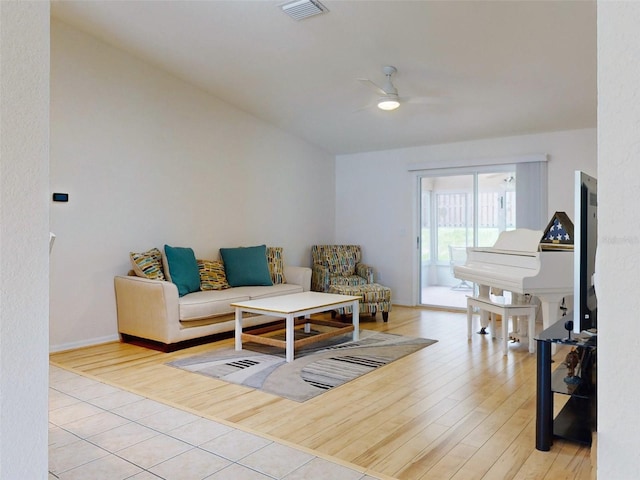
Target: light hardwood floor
455,410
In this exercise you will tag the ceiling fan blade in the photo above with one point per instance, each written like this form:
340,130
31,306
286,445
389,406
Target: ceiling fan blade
369,106
425,100
368,82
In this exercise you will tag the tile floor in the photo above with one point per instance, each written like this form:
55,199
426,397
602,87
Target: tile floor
97,431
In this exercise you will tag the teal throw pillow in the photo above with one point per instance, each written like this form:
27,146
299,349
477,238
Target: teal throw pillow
245,266
183,269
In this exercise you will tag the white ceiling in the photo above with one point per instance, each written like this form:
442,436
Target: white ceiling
499,68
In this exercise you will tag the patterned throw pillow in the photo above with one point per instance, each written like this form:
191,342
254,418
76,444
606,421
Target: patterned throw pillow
212,276
275,260
148,264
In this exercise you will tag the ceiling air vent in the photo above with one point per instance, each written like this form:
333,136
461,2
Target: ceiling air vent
303,8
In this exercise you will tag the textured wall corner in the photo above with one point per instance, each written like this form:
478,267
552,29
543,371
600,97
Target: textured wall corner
24,234
618,258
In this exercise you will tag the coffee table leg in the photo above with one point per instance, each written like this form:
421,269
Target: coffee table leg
290,332
238,328
356,320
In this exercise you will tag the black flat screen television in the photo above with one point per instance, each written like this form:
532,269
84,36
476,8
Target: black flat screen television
585,302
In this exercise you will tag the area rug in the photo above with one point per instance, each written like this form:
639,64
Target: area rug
317,367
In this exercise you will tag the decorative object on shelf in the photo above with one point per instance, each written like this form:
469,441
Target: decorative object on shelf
559,233
572,360
568,326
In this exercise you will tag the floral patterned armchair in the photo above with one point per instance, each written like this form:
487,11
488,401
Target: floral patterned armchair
338,265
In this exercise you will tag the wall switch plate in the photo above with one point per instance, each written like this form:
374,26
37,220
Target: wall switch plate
60,197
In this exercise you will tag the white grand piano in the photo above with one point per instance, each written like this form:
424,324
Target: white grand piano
516,264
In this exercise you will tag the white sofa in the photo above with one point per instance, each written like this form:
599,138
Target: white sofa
152,313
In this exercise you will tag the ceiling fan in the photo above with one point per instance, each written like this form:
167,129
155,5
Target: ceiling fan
389,98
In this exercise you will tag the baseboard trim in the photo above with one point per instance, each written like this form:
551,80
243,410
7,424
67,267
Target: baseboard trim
172,347
83,343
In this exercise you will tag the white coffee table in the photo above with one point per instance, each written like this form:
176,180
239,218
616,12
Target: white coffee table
291,306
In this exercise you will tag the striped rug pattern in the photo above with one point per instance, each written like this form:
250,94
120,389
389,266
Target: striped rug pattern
316,369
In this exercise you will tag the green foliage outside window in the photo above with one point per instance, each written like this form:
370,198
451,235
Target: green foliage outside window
456,236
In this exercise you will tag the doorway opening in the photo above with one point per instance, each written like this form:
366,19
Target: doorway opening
457,211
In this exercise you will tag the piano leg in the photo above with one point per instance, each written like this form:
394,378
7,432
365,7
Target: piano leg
523,332
550,305
483,292
519,331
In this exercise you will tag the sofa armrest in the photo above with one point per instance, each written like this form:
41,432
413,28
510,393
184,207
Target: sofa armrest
365,271
298,276
320,278
147,308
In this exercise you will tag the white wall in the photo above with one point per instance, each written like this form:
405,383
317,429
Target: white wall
147,160
376,202
618,258
24,238
23,256
376,182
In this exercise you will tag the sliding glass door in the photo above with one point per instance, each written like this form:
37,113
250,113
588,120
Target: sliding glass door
459,211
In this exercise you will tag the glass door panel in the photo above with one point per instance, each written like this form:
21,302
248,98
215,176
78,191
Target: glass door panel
447,229
496,206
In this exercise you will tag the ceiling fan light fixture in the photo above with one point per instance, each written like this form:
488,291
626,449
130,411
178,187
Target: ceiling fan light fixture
388,103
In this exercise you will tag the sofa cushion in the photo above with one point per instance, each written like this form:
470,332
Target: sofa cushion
183,269
212,276
255,292
246,266
209,303
275,261
148,264
351,280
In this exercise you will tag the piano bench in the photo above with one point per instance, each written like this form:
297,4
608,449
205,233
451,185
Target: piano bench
506,310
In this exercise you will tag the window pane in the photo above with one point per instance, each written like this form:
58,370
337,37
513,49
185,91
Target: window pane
453,196
496,206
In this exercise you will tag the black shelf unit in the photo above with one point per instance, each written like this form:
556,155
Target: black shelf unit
577,419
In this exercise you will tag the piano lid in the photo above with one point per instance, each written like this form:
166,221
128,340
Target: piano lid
521,241
515,264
